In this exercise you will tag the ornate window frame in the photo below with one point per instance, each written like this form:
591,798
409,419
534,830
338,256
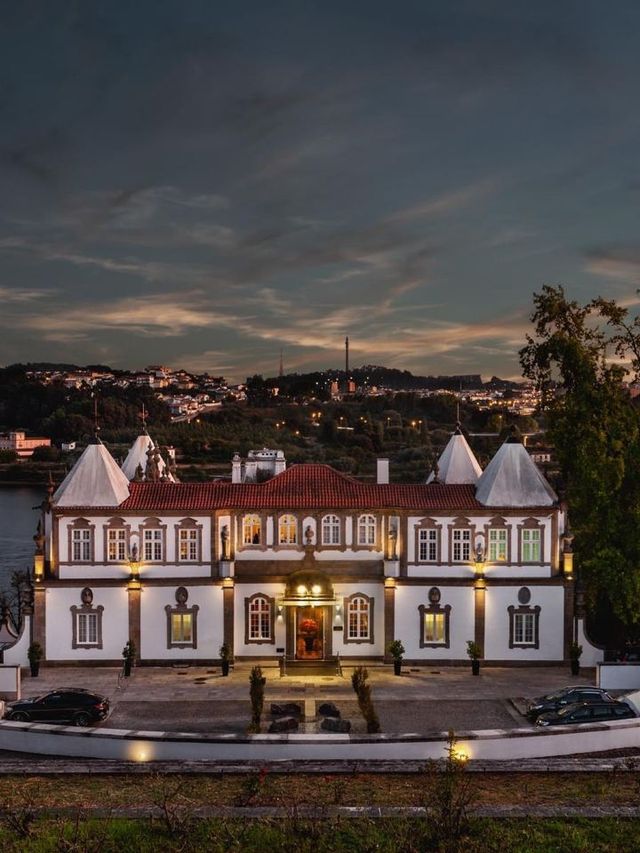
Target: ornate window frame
428,524
347,602
86,609
334,521
531,524
82,524
270,602
181,608
524,609
189,524
434,607
366,546
461,523
117,523
295,524
262,533
153,523
498,523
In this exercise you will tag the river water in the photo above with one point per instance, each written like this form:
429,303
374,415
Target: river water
18,521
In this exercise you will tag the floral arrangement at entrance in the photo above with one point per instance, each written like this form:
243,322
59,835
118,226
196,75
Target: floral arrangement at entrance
308,626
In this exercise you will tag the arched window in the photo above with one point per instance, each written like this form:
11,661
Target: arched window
251,530
330,530
358,618
287,530
366,530
259,619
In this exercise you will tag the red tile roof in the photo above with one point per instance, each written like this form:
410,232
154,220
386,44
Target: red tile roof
308,486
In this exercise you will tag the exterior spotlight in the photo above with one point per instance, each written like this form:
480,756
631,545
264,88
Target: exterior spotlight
301,590
316,589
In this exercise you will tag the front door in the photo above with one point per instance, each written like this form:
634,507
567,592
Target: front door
309,633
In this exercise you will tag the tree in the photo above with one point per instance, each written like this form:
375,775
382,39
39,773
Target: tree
579,357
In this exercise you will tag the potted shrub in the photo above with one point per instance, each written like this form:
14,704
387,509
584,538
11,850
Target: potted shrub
575,651
225,658
475,653
35,654
128,655
396,650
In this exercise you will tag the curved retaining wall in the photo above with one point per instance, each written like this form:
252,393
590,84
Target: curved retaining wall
489,745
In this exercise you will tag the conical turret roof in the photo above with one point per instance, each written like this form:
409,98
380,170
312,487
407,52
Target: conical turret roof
137,457
457,464
512,479
95,480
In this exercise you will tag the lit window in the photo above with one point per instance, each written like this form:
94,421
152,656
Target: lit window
81,542
331,530
366,530
188,545
497,545
531,549
260,619
117,545
251,530
461,545
434,621
153,542
288,530
358,618
427,546
434,627
181,628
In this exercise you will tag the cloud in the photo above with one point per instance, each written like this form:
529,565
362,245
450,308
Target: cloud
620,263
22,295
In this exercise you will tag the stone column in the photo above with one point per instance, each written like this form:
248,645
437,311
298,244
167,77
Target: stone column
228,613
134,590
480,588
389,615
39,618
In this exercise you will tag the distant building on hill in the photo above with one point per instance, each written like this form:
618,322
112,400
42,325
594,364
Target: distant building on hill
17,440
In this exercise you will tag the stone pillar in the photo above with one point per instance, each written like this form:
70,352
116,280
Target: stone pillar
389,615
134,590
480,588
228,613
39,618
570,622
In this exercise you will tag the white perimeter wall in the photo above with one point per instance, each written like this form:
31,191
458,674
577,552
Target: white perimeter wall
153,622
115,623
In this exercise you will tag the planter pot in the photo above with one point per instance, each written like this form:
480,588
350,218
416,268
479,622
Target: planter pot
225,664
475,667
35,669
575,667
127,667
397,667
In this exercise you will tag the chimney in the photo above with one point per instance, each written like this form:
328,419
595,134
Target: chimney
382,471
236,468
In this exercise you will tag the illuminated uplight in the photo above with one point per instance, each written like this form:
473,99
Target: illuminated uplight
301,590
316,589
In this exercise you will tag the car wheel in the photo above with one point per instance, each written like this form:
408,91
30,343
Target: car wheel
19,717
81,719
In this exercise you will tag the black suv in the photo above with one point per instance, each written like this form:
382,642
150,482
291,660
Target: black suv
68,705
566,696
587,712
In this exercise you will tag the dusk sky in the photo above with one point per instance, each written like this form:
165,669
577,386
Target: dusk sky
201,184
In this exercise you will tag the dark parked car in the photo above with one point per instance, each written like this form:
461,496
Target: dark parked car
567,696
587,712
67,705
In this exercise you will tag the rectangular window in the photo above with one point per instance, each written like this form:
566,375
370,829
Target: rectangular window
523,629
461,545
81,545
117,545
153,546
188,546
428,546
181,628
434,628
497,546
87,632
531,546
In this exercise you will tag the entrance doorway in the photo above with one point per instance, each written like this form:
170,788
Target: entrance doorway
309,633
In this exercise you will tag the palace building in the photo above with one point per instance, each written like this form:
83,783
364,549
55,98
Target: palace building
303,562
